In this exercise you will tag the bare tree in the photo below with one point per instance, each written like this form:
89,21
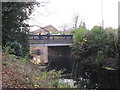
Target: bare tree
77,22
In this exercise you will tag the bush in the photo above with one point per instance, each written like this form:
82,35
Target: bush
98,43
94,50
15,48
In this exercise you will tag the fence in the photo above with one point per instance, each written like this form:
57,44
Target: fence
50,39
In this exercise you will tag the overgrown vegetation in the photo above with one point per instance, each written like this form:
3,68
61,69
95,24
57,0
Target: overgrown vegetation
14,28
21,73
96,57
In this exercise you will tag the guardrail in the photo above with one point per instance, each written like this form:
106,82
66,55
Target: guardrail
43,37
50,39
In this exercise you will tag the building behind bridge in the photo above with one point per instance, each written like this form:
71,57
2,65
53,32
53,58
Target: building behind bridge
44,30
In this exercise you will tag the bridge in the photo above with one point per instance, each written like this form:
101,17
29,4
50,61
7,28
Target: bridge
51,47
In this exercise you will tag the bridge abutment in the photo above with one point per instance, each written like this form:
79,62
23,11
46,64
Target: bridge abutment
41,51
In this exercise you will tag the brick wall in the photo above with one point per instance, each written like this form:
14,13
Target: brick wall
43,52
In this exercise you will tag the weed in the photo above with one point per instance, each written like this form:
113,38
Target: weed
23,71
12,55
25,59
5,63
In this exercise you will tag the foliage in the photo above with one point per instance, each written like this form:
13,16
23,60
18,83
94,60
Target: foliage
14,27
14,48
7,49
5,63
79,34
14,56
56,32
98,42
15,72
18,74
94,50
52,76
25,59
108,68
21,73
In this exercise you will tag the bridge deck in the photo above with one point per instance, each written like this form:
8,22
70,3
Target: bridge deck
50,40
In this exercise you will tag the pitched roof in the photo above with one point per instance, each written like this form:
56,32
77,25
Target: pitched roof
48,28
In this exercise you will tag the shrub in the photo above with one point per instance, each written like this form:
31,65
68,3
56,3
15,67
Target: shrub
98,42
94,50
15,48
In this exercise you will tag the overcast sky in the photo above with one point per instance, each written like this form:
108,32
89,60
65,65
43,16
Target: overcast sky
61,12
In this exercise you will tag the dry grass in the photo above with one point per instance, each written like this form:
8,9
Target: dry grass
19,74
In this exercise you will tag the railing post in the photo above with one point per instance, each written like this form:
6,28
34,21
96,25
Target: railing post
71,36
53,37
65,37
33,37
39,36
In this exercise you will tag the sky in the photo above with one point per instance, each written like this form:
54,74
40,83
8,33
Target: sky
60,13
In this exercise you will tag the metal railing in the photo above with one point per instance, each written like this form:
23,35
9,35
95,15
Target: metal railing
50,39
